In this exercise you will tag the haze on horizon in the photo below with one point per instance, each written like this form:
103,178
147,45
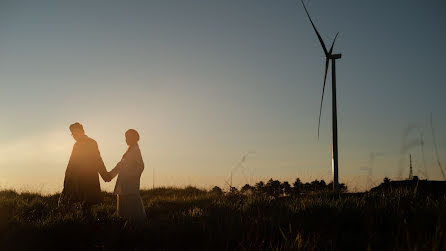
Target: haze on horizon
206,82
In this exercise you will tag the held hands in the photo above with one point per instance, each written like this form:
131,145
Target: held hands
107,177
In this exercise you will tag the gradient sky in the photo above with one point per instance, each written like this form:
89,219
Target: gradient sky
206,82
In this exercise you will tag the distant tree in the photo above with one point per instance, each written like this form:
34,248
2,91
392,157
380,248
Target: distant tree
268,188
247,189
259,187
286,188
217,190
322,183
273,188
342,188
306,187
315,185
297,186
323,186
386,180
233,190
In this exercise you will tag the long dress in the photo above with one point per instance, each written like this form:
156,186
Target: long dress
81,182
129,170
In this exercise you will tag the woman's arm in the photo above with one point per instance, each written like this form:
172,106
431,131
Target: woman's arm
126,162
116,170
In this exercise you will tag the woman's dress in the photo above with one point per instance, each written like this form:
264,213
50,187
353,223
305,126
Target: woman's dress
129,170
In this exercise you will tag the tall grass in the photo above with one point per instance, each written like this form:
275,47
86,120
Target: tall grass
194,219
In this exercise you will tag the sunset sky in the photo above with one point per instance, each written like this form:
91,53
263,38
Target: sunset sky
206,82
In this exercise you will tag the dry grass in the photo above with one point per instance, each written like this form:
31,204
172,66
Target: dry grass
190,218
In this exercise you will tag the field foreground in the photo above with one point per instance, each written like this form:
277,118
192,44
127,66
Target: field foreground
189,218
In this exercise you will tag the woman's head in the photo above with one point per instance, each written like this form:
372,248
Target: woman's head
131,137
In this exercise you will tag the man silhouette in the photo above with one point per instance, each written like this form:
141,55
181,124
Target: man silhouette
81,182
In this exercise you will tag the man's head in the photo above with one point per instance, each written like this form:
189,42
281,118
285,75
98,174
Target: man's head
131,137
77,131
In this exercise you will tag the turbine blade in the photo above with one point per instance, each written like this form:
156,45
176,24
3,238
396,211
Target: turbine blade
332,45
317,33
327,61
436,149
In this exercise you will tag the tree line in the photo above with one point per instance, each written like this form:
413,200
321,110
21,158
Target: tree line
277,188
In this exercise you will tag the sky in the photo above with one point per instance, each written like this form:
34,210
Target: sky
208,82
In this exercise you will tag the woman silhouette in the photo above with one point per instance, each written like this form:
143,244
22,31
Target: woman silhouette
129,169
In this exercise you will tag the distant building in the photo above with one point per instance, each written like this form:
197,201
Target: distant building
421,186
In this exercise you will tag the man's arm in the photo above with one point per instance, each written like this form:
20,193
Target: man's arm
101,166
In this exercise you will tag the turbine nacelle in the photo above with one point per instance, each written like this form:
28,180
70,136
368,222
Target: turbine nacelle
335,56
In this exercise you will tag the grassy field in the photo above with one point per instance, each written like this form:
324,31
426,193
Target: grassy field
193,219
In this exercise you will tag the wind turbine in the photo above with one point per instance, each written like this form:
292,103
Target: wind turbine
329,56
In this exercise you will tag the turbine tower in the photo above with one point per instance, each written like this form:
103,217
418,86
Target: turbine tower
330,56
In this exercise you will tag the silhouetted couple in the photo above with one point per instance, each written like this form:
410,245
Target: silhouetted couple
81,182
